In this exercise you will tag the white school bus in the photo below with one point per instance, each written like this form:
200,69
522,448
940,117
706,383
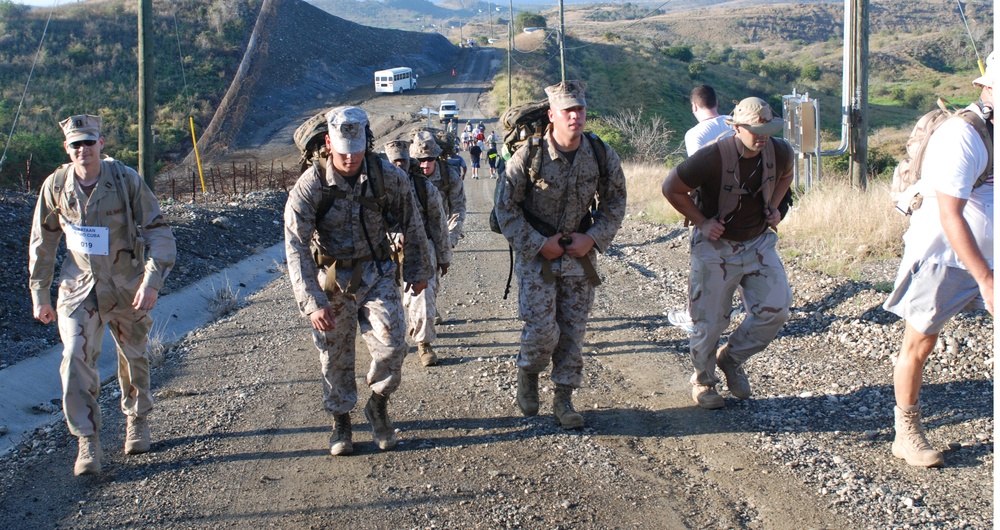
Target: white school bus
395,80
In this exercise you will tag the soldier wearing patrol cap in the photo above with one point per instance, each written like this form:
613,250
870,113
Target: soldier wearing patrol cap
733,245
343,274
422,309
120,249
397,151
548,221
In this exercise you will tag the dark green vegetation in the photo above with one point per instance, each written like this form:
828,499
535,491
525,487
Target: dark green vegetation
88,65
919,50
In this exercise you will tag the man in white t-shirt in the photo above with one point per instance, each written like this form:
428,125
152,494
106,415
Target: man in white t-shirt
947,260
711,126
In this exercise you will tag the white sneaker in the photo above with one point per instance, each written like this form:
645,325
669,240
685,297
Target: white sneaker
681,318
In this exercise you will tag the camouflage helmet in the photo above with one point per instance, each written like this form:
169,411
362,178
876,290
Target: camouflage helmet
424,146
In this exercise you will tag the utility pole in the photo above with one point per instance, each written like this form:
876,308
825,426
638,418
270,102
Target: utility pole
562,38
859,108
146,94
489,8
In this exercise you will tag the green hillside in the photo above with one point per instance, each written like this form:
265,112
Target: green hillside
88,64
918,51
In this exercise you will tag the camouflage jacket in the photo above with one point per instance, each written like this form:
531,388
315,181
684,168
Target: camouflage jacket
340,234
453,194
560,197
127,266
435,220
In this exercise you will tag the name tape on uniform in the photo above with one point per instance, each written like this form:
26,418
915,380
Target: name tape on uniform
87,239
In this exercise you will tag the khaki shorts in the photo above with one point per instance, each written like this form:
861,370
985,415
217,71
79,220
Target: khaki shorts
927,295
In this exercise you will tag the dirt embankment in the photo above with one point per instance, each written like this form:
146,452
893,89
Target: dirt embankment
301,58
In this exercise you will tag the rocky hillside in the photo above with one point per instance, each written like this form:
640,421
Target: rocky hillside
301,58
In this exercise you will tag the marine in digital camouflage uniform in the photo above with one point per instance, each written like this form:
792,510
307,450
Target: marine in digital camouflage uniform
115,266
362,292
421,309
448,180
732,249
557,271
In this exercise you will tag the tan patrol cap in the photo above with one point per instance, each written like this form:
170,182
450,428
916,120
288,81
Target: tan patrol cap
81,127
397,150
346,127
567,94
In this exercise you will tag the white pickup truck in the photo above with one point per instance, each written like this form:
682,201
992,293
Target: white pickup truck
448,111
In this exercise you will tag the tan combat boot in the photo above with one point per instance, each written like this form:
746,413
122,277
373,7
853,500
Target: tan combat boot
426,353
706,397
562,408
88,456
382,429
527,392
911,444
736,378
340,440
136,435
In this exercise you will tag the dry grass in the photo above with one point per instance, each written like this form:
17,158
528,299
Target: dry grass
645,200
834,228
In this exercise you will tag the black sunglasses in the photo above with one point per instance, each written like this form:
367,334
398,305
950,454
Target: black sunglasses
429,159
78,143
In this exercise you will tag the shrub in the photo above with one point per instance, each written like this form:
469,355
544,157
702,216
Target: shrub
681,53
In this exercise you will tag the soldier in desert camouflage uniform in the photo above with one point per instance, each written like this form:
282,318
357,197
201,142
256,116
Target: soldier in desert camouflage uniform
735,248
422,308
556,257
343,275
120,250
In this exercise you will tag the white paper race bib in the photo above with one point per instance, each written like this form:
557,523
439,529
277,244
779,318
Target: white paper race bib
87,239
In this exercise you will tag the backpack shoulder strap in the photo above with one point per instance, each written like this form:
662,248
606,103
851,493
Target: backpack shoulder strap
979,125
729,188
770,176
377,178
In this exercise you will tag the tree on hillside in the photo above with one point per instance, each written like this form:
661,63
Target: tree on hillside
527,19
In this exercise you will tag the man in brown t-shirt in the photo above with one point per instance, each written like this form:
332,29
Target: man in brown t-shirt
734,248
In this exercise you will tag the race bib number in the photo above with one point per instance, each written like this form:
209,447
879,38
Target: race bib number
87,239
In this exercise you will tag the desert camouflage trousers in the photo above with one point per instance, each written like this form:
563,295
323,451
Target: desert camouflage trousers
82,333
421,310
717,269
555,321
378,312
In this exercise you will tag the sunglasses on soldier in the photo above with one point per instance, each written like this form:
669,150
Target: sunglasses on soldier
79,143
428,159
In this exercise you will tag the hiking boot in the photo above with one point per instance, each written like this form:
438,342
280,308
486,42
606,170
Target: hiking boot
706,397
527,392
736,378
88,456
562,408
382,430
340,440
911,444
136,435
426,353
